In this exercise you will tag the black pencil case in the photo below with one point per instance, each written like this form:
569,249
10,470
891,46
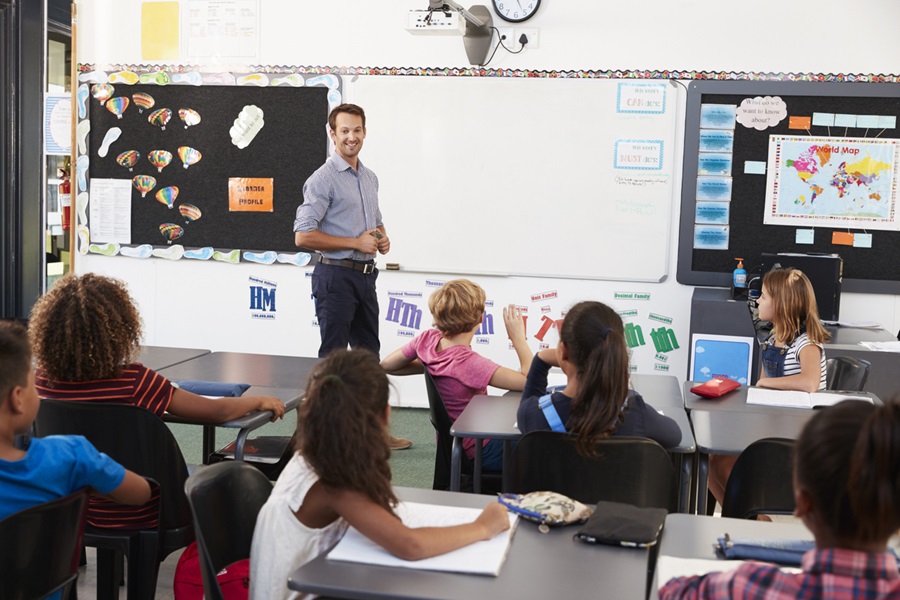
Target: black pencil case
620,524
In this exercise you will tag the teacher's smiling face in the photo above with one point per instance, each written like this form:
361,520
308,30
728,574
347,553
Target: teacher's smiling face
348,136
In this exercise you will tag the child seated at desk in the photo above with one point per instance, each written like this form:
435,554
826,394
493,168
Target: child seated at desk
54,466
459,372
85,333
340,476
793,356
846,491
596,402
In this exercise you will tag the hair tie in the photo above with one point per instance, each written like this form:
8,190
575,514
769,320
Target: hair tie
605,332
332,377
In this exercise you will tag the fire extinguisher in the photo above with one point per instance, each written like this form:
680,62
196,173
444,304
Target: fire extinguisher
65,198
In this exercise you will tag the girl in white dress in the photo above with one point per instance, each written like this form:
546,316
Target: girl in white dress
340,476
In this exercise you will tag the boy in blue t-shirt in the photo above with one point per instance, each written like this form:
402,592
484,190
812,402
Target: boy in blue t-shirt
54,466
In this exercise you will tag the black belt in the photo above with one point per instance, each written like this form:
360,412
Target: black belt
366,268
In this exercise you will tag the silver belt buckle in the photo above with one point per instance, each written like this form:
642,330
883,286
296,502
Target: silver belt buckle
368,268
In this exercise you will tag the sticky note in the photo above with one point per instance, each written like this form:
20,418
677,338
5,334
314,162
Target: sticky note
159,31
842,238
867,121
862,240
887,122
845,120
754,167
805,236
799,122
707,237
823,119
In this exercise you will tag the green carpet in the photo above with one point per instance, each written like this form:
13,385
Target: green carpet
413,467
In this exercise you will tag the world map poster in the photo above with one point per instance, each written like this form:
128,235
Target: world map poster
832,182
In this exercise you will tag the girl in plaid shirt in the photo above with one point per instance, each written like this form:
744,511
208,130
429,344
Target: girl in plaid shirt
847,492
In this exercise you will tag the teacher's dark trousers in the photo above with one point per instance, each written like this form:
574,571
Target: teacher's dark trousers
346,308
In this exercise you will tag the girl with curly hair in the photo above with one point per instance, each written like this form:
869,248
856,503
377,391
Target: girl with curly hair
86,334
340,476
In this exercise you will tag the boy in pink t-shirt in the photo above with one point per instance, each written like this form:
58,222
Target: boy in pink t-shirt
458,371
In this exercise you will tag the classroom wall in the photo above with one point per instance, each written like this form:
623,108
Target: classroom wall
206,304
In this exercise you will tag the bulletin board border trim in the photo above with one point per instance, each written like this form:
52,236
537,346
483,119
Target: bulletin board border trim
181,76
681,74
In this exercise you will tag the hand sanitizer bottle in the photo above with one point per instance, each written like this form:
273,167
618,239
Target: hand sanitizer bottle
740,275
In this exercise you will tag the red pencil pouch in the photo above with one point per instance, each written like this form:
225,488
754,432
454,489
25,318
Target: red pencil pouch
715,387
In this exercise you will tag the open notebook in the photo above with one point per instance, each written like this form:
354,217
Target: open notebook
484,558
793,399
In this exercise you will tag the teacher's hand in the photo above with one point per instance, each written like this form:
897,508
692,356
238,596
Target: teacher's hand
367,243
384,244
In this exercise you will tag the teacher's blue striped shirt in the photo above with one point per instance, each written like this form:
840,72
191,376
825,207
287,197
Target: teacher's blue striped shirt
341,202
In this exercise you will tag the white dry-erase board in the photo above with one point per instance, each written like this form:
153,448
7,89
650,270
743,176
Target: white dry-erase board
519,176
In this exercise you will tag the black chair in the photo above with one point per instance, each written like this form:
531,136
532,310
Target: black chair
139,441
442,422
268,453
847,373
761,481
631,470
225,499
41,546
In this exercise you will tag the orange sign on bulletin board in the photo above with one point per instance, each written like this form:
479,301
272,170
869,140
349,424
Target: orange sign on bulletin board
250,194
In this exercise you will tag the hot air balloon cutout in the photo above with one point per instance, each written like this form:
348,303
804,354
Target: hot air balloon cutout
117,105
167,196
189,156
143,184
190,116
143,101
102,92
160,159
171,231
128,159
189,212
160,117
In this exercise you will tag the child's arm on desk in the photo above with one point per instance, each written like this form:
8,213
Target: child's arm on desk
396,363
386,530
191,406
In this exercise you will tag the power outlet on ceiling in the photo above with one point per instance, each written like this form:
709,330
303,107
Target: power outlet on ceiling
533,36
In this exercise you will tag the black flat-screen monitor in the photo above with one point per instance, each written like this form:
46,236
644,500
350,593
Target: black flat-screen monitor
824,272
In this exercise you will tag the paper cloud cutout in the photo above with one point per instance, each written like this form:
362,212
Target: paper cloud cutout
248,123
761,112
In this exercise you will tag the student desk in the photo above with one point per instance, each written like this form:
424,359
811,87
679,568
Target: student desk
538,566
247,423
727,425
494,417
160,357
693,536
714,312
239,367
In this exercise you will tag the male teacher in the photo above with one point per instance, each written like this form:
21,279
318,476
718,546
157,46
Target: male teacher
341,220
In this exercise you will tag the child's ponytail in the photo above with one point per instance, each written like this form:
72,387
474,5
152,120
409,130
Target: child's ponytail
594,336
341,427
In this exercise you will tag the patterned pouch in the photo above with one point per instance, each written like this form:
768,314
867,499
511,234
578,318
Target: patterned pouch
547,508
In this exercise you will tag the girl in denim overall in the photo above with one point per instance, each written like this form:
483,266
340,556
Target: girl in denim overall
793,356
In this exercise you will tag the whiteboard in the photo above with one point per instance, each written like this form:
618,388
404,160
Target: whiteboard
515,176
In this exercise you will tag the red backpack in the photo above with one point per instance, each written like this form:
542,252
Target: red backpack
234,580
